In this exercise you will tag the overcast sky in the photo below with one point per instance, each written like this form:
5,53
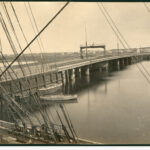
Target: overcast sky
67,32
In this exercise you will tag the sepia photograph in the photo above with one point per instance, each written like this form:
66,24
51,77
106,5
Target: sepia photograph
74,73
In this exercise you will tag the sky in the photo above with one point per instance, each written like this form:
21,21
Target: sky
67,31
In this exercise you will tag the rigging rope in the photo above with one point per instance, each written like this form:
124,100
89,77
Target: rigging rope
15,14
146,7
29,85
123,44
51,20
128,46
14,32
29,106
13,47
41,56
20,66
10,42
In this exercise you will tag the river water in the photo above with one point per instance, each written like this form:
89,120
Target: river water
114,109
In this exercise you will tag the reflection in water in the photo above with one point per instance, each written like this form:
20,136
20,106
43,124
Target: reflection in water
113,108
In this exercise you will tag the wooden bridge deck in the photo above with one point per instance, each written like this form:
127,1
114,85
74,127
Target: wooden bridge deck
53,75
78,62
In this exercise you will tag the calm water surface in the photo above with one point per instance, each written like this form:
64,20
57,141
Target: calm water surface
113,109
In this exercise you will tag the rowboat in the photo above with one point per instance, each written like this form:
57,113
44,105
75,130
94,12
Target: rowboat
50,89
48,99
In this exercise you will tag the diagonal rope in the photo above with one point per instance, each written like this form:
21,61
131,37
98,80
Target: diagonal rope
51,20
122,43
14,32
128,46
41,53
16,16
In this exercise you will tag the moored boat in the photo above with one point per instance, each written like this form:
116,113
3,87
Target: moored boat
48,99
50,89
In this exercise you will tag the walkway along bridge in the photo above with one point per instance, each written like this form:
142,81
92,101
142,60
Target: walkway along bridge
66,71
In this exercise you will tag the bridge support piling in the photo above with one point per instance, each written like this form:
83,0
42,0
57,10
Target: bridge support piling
132,60
110,66
118,65
85,70
78,72
67,76
125,61
113,65
121,63
107,67
63,77
57,80
129,61
50,77
72,74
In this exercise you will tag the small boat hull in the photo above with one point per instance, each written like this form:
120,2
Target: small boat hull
58,99
51,89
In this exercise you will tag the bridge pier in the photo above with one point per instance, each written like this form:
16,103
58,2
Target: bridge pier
63,77
103,67
129,61
133,60
114,65
85,70
67,76
141,58
118,65
71,74
125,61
122,63
78,72
106,67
